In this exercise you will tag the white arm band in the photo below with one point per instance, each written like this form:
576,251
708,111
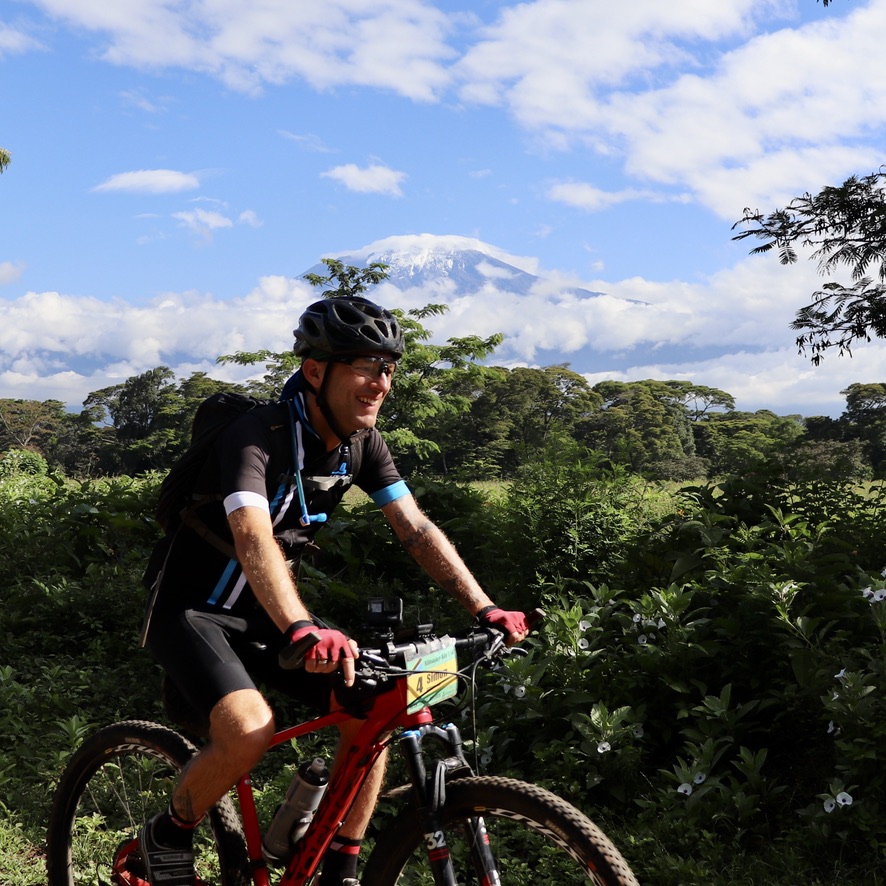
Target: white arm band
237,500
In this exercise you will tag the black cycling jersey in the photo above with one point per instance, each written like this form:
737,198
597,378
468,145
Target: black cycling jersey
254,463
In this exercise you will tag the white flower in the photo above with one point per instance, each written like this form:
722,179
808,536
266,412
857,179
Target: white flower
642,639
841,675
844,799
638,731
883,572
637,618
520,691
699,777
661,623
879,596
604,747
867,593
831,727
830,804
583,625
486,759
583,644
685,788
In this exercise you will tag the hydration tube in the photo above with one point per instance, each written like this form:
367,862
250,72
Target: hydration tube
305,519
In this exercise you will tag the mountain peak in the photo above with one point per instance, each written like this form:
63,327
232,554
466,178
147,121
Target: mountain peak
448,262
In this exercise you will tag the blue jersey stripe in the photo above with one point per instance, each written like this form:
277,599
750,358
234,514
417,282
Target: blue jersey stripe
223,581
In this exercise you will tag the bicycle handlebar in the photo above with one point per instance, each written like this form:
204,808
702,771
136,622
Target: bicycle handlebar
490,640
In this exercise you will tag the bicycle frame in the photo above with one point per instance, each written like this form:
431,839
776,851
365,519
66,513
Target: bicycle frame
388,713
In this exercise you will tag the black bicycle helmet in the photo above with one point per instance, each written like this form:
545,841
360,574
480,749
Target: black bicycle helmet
347,325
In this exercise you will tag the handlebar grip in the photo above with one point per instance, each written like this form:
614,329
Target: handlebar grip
292,656
537,616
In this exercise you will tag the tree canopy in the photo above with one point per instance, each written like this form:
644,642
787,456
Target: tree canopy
841,227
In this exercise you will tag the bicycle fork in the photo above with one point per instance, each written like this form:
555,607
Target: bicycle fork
430,790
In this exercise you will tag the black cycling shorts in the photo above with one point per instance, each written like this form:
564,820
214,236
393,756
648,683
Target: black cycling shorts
208,655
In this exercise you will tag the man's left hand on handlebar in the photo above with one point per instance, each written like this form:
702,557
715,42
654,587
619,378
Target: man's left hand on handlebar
512,623
332,650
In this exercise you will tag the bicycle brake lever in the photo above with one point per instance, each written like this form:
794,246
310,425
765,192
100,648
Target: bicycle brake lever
292,656
535,617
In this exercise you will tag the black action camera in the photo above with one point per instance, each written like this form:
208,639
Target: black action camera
384,613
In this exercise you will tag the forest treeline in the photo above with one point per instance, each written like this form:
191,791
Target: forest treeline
451,416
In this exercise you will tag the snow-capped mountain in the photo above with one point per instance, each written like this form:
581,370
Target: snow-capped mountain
545,318
457,265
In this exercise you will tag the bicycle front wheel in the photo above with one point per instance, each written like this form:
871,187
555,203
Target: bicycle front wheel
534,836
113,784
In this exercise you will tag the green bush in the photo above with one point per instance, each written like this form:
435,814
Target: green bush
22,461
707,684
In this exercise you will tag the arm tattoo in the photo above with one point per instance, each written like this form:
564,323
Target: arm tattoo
433,551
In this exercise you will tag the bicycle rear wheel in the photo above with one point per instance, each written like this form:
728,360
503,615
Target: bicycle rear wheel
535,837
113,784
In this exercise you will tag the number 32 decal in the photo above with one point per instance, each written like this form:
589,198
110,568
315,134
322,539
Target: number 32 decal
435,840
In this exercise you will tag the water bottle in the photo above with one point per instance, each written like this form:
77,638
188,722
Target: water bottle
295,813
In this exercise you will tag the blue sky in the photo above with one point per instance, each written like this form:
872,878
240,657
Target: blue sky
177,165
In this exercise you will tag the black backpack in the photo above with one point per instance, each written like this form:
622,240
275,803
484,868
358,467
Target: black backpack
213,415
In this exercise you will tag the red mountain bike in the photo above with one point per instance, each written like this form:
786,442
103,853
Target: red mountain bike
454,827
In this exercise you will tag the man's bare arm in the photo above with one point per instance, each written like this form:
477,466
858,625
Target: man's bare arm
265,566
433,551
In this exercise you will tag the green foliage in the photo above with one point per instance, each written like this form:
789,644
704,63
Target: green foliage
22,461
571,520
845,227
350,280
707,683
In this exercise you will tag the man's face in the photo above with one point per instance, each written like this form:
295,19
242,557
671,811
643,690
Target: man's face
354,393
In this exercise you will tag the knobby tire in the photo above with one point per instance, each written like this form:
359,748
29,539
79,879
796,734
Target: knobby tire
118,779
535,836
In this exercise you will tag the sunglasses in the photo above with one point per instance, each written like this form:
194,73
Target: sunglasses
369,366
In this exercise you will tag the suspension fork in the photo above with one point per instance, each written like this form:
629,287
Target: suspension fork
430,794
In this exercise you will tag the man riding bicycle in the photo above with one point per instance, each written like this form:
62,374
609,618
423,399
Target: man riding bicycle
221,615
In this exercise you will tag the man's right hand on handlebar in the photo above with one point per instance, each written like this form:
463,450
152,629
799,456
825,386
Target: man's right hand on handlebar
333,649
514,624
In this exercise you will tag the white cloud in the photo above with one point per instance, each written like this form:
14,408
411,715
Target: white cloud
10,271
150,181
51,343
309,142
389,44
14,41
203,222
136,99
373,179
249,217
583,195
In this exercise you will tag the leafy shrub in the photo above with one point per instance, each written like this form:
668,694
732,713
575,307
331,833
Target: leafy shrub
707,683
22,461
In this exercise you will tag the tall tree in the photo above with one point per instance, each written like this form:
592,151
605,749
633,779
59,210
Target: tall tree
645,425
29,424
841,227
5,160
735,442
521,415
349,280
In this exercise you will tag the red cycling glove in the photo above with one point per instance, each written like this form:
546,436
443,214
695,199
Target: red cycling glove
509,621
332,646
